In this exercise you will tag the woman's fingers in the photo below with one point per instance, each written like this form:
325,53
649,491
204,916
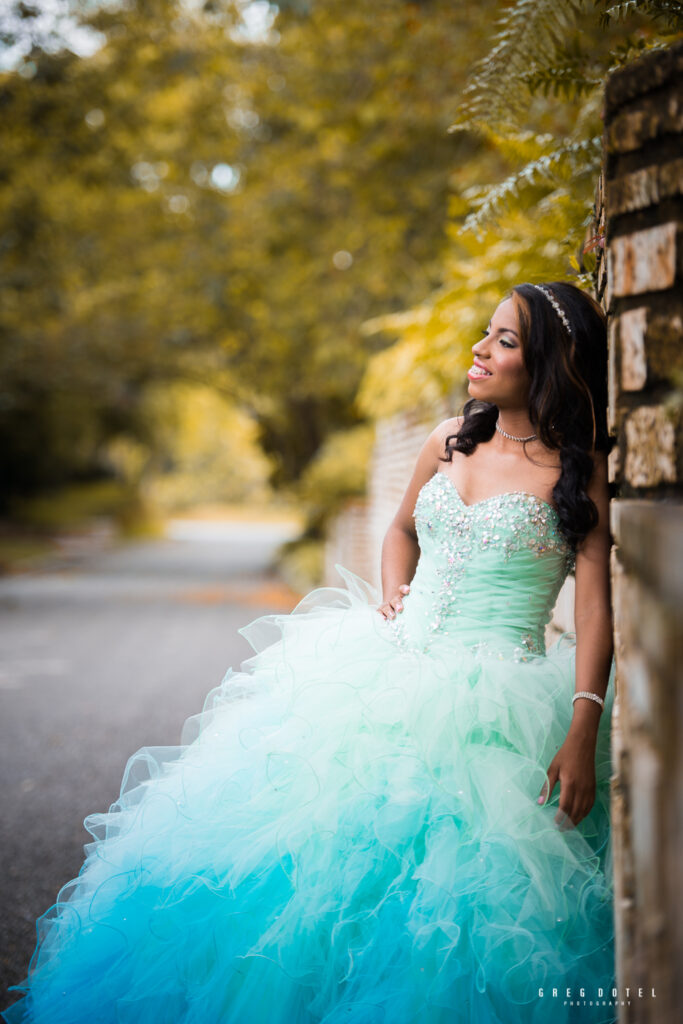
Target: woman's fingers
549,785
574,804
582,805
389,608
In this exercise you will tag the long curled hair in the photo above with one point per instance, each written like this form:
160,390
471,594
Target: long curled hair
567,396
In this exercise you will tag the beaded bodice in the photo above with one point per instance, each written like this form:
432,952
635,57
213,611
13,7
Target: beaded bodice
488,573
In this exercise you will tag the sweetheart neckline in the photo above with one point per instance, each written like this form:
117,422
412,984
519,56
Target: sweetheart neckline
492,497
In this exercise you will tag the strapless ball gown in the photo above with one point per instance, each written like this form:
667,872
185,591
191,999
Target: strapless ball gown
350,831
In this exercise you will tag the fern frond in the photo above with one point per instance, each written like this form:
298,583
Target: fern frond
617,12
630,49
564,81
589,116
572,160
517,147
530,52
569,71
525,35
669,12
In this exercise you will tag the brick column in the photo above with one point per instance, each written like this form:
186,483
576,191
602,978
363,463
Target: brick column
639,283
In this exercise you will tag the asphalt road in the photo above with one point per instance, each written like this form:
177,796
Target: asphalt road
98,659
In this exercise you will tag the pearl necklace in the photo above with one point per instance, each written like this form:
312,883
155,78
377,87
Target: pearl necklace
511,437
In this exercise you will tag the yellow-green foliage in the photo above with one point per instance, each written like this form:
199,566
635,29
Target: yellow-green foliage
202,448
302,565
67,508
138,264
520,208
434,351
337,472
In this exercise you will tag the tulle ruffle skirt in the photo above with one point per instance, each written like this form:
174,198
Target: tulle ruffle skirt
349,832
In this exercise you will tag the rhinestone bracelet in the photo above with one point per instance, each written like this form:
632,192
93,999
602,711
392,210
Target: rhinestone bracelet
593,696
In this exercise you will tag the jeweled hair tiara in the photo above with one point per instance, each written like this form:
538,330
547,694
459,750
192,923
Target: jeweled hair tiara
556,306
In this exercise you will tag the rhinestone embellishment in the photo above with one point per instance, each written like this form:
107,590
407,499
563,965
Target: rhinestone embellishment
511,522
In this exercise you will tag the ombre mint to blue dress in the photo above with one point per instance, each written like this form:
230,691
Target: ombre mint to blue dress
350,832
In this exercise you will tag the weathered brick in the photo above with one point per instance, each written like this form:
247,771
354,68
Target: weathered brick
647,818
648,72
644,261
664,342
613,417
633,191
651,446
614,464
617,577
650,547
609,283
671,178
649,627
634,127
632,328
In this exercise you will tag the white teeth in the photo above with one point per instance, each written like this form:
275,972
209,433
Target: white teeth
476,371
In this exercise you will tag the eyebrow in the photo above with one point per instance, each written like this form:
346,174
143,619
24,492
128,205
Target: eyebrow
504,330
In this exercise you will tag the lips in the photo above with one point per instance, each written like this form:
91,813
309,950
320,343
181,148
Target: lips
477,372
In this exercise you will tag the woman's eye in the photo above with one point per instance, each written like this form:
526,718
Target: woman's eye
506,343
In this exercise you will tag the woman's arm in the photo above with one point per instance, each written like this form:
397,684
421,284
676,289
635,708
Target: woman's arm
400,549
592,609
574,763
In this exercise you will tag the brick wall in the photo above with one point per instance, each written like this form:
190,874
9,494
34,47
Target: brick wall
349,542
355,539
640,209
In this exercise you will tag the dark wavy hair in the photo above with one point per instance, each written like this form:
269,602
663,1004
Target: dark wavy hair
567,397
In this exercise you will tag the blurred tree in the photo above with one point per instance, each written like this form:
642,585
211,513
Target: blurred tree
103,288
201,449
203,201
337,472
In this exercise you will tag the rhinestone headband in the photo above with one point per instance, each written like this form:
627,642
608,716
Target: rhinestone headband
556,306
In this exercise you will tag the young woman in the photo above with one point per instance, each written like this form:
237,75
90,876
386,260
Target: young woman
398,810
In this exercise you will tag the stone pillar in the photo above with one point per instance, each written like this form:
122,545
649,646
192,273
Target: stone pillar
640,284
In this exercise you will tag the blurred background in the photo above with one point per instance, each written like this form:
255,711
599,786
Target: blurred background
237,236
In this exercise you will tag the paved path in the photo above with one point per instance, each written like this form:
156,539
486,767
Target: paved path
97,660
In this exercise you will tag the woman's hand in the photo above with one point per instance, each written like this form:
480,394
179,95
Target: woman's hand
574,766
394,604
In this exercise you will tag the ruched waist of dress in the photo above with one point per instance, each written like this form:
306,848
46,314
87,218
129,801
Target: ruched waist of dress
502,632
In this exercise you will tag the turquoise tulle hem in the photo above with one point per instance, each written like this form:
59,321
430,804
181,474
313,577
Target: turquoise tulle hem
349,832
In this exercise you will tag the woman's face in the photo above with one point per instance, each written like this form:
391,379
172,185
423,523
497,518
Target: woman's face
498,374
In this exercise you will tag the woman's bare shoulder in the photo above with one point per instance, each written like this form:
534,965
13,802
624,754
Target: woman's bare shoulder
446,429
428,462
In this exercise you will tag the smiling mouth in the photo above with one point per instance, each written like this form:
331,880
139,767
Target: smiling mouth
476,371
